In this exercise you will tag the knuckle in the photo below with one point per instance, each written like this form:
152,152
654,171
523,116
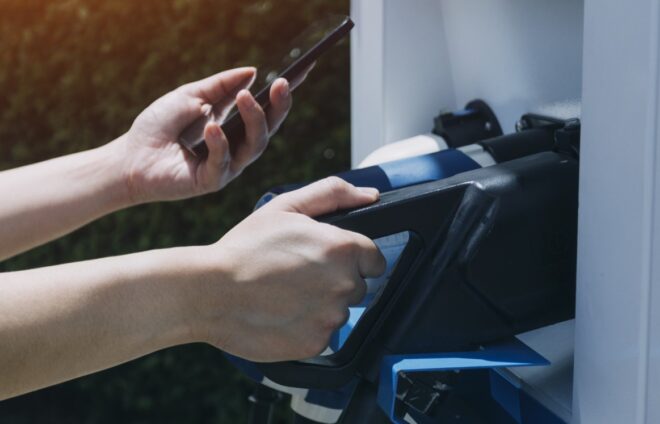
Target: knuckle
381,262
333,320
183,89
341,244
257,115
360,290
341,318
376,261
344,287
261,114
336,186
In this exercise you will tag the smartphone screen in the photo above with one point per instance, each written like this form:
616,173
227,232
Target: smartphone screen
303,51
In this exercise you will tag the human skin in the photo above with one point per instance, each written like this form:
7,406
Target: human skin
273,288
52,198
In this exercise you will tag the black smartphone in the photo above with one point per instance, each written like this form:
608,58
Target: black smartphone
304,51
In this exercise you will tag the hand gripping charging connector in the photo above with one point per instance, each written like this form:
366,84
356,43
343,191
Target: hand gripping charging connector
491,254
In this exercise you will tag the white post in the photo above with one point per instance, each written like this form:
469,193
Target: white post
617,356
400,76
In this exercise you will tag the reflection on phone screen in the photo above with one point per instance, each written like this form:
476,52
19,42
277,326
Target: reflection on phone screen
303,43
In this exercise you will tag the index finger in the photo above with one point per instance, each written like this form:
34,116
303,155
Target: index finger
324,196
371,262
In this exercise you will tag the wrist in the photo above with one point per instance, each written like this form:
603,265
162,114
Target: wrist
208,301
172,282
126,182
196,303
110,159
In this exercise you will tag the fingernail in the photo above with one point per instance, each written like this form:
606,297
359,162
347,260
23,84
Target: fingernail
370,191
254,76
285,90
215,130
249,79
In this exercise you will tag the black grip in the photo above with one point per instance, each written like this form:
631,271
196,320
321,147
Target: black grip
422,211
491,255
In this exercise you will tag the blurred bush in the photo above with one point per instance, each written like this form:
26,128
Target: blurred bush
73,75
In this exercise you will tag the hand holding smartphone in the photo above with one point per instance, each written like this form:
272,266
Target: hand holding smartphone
305,50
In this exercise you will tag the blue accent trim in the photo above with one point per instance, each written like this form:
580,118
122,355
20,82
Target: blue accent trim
265,199
398,174
246,367
339,337
373,176
535,413
521,406
464,112
507,394
335,399
425,168
410,171
512,353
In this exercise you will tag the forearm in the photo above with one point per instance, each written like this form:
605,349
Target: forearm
62,322
49,199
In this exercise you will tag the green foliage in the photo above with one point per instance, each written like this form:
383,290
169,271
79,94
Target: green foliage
73,75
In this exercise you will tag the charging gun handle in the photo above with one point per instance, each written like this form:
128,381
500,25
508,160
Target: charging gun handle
423,211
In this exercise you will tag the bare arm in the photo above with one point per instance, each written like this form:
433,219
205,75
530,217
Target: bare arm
44,201
273,288
61,322
47,200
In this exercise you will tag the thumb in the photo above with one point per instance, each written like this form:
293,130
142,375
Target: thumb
222,86
323,197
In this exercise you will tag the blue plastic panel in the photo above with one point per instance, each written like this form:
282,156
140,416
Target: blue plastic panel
512,353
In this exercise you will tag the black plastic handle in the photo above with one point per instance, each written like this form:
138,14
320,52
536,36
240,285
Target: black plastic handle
426,212
491,254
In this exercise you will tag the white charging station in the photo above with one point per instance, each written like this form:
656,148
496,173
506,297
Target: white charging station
412,59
